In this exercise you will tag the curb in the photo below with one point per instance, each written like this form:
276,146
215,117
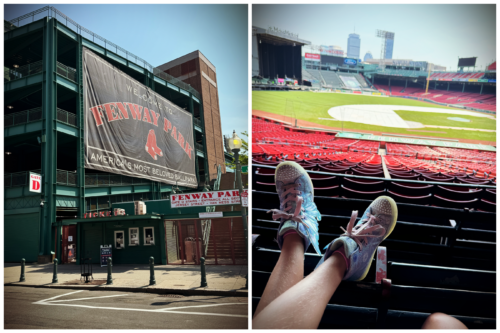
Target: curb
185,292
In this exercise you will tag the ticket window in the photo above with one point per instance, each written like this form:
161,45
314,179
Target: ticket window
119,239
149,234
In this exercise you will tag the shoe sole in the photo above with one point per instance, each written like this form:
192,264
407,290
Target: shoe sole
298,166
394,208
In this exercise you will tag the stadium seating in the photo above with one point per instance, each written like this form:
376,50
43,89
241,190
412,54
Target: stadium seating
442,253
439,260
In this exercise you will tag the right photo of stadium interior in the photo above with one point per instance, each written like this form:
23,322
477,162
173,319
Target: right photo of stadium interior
373,166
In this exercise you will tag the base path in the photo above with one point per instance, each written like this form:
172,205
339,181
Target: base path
303,123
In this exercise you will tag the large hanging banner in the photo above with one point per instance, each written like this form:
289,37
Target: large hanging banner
131,130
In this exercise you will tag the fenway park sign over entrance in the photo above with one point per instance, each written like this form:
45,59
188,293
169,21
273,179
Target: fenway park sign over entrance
214,198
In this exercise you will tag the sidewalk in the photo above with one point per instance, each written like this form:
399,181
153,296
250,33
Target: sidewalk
223,280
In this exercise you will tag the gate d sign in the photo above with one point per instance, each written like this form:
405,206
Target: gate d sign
35,182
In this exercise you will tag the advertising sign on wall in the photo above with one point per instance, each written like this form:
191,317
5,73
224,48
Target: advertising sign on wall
35,182
350,62
213,198
131,130
313,57
331,50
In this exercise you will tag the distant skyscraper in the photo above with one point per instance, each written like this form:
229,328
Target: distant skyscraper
368,56
353,45
389,45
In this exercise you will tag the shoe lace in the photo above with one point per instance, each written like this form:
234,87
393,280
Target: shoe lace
364,230
290,193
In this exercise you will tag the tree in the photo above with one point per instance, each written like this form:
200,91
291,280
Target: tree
243,153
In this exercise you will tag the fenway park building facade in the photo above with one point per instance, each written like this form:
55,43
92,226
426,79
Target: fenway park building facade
103,129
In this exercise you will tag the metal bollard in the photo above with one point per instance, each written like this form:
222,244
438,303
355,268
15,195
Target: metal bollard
23,263
110,278
54,278
203,274
152,280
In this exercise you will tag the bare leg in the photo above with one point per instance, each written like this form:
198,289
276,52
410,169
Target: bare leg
288,271
442,321
303,305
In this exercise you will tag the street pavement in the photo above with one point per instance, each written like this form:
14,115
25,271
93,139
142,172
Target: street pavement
35,308
221,278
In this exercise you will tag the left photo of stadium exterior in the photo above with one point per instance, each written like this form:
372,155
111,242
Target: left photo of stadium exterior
115,178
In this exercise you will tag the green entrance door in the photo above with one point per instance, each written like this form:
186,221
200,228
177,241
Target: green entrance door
92,239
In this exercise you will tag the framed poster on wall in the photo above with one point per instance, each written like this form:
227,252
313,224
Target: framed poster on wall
119,239
149,236
133,236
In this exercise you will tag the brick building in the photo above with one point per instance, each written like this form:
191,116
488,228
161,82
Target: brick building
196,70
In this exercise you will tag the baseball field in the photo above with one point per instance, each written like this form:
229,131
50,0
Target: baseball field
376,114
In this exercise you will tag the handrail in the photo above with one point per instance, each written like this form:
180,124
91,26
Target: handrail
18,178
255,165
66,117
22,117
20,72
68,22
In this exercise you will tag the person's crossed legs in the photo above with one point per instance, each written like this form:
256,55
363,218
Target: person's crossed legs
288,300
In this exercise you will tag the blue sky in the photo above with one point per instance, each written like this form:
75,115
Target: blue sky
435,33
160,33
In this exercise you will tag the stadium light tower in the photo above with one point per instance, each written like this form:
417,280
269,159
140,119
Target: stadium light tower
384,35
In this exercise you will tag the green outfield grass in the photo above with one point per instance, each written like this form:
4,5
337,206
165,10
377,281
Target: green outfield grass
311,106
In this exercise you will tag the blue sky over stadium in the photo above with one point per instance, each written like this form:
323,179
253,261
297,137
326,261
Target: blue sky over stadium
435,33
160,33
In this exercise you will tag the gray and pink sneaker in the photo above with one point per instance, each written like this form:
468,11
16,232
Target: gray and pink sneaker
359,243
297,212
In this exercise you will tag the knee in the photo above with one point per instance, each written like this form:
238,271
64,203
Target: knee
440,320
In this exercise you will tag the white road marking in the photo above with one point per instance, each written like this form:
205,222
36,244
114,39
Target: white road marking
50,301
81,299
197,306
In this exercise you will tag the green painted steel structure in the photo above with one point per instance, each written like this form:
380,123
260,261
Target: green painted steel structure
57,83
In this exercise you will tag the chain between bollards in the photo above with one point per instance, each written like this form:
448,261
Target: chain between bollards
203,274
23,263
54,278
110,278
152,280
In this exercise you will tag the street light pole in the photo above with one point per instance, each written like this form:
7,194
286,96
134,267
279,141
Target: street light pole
243,209
233,145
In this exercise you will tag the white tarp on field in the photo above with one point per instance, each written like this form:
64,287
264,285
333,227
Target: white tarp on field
384,115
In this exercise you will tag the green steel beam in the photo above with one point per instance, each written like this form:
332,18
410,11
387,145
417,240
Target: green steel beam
80,144
49,147
161,228
25,29
11,131
23,82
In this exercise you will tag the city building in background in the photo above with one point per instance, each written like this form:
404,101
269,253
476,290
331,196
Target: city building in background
353,46
389,47
368,56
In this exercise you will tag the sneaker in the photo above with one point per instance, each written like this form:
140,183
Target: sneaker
361,241
297,209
